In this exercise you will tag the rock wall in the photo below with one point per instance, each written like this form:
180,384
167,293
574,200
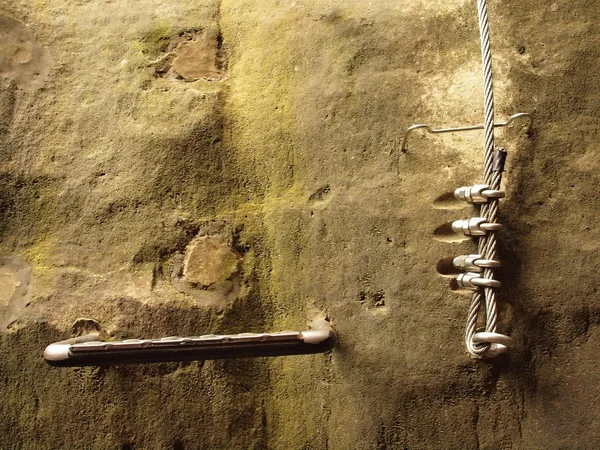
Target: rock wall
226,166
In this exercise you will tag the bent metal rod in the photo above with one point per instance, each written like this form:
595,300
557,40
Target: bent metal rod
90,351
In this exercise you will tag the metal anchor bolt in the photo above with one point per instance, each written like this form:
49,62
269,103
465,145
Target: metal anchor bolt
473,281
473,263
475,226
479,193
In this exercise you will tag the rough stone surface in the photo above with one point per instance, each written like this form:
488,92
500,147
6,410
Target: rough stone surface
111,164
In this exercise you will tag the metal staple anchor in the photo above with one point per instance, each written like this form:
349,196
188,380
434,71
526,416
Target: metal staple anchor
473,281
479,193
475,226
409,130
473,263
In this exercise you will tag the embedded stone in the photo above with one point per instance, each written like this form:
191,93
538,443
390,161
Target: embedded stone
8,285
199,59
15,279
22,58
209,261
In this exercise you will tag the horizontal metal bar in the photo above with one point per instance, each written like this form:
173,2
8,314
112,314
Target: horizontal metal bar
90,351
409,130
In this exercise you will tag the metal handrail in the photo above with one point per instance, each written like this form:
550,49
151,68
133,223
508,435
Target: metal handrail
89,350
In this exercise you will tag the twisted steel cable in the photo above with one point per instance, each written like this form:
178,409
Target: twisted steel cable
493,178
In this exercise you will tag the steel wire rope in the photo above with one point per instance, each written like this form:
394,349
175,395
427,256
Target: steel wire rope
493,178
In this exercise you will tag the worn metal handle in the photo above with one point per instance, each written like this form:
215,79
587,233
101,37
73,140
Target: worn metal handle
90,351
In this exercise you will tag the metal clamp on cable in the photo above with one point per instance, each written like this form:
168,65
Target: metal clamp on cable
475,226
500,343
479,193
474,263
499,160
473,281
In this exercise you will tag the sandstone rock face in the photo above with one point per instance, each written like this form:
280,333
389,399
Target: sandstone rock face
184,168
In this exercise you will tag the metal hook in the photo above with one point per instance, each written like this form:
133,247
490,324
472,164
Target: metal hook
404,146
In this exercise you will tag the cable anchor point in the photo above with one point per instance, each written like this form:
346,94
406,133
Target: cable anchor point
474,263
475,226
478,193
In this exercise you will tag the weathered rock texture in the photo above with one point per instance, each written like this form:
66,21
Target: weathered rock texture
127,129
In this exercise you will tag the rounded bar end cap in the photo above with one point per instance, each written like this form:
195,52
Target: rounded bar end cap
320,331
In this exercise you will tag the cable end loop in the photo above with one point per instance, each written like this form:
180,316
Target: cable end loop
498,343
